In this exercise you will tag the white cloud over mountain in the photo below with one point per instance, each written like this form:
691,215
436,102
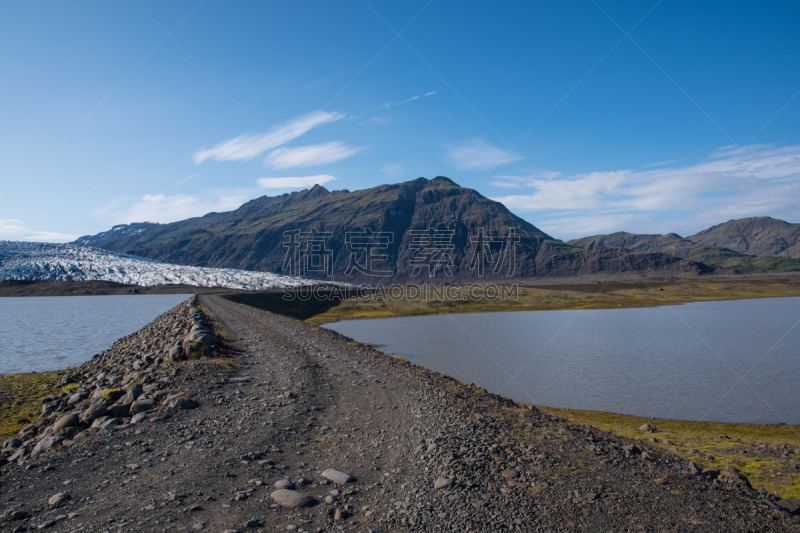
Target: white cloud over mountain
165,208
302,182
478,153
732,183
312,155
246,147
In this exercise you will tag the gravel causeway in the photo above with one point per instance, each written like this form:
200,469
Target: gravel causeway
301,429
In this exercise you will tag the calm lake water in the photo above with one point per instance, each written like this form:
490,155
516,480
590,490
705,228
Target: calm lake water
736,361
55,332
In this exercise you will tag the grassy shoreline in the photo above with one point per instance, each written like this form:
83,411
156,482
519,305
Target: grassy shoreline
550,298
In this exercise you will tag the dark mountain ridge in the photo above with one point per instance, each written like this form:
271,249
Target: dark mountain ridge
760,236
756,244
436,227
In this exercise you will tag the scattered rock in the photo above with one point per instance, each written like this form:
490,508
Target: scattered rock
340,478
139,417
585,496
291,499
184,403
58,498
442,483
510,473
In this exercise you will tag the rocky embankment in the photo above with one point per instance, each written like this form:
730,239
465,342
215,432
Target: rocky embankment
120,386
305,430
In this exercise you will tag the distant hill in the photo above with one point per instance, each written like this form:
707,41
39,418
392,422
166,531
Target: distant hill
761,236
253,237
677,246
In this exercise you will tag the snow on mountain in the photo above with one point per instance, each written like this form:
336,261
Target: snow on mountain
68,262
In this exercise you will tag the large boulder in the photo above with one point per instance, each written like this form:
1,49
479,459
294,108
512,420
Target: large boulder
790,506
119,410
94,412
133,393
12,444
47,443
141,406
78,397
66,421
199,327
69,433
176,353
31,429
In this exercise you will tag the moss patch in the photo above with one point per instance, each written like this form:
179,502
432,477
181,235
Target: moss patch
109,391
20,399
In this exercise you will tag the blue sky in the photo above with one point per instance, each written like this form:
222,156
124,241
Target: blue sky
583,117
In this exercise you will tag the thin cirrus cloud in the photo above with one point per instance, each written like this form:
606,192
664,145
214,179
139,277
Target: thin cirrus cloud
478,153
731,183
395,104
294,182
311,155
246,147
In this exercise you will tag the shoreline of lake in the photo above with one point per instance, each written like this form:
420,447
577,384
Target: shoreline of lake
707,438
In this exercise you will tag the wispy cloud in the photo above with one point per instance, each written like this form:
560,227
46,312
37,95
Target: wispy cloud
662,163
311,155
246,147
733,150
302,182
478,154
187,178
518,182
18,230
730,184
395,104
165,208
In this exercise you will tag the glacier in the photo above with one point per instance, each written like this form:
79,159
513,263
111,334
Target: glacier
32,261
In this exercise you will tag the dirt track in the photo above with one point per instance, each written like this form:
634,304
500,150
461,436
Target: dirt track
302,400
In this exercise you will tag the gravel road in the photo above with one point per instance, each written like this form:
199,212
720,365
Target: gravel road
309,431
